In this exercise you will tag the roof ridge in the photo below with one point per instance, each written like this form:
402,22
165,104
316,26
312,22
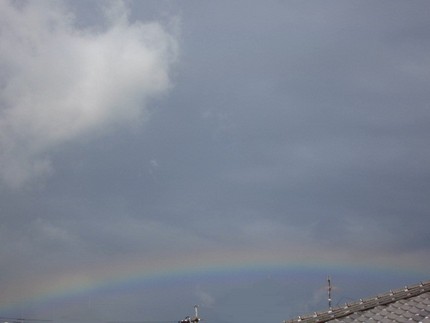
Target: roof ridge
365,304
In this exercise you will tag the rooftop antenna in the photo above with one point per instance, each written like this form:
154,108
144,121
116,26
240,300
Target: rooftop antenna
196,318
329,292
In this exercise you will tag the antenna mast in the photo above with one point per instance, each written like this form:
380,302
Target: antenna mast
329,292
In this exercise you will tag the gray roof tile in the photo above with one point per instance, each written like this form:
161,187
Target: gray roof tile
399,311
409,304
393,316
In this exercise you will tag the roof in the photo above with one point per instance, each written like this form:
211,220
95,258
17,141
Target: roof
411,303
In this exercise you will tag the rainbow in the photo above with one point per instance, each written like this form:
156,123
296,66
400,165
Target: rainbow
168,270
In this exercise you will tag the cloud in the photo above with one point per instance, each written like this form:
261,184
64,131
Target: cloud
59,82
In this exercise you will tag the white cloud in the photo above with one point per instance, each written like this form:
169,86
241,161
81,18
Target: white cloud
58,82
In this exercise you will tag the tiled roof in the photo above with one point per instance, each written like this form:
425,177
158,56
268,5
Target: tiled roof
409,304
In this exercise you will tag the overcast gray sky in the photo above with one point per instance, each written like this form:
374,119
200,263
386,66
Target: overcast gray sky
158,154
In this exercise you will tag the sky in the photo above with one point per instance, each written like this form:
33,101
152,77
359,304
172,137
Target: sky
155,155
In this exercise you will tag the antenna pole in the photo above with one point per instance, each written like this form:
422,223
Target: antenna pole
329,292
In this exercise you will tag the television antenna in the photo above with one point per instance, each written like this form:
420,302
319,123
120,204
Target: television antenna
194,319
329,292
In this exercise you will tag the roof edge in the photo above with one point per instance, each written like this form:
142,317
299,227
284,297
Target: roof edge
364,304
